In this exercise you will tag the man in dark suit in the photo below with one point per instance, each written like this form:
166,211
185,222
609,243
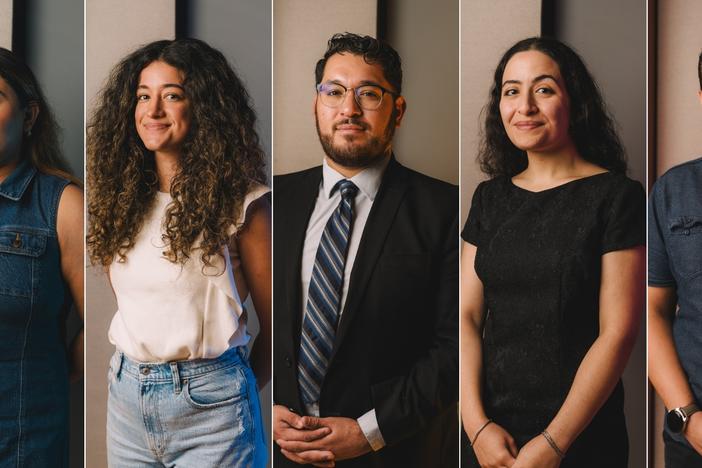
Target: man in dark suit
366,284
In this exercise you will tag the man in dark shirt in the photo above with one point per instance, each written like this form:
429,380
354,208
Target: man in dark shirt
675,306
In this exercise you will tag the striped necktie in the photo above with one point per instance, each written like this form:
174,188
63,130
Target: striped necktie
324,298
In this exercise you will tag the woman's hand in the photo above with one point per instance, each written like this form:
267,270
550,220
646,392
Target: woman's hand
537,453
495,448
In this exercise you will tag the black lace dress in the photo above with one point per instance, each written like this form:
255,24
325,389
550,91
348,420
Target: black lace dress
539,258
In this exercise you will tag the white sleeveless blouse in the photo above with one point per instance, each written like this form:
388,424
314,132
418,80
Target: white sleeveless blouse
170,312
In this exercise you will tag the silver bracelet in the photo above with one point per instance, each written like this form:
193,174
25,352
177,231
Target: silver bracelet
553,445
479,431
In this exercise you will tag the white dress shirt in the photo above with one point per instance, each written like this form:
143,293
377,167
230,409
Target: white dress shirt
368,183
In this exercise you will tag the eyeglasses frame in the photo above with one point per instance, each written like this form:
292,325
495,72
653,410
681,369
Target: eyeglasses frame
355,96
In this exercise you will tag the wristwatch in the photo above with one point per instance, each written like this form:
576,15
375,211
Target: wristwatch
677,418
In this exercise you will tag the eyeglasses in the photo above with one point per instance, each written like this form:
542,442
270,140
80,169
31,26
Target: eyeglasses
368,97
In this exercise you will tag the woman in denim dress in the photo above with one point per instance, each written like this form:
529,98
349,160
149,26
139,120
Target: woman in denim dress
180,219
41,274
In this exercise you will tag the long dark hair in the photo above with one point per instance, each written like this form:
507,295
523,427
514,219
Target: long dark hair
220,161
591,127
41,146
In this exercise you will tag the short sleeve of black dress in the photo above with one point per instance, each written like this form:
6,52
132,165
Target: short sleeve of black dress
471,230
539,258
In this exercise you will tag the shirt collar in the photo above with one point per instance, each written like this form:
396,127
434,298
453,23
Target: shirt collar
367,181
16,183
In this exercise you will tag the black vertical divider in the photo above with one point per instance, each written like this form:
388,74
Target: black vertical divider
548,18
182,15
381,25
20,11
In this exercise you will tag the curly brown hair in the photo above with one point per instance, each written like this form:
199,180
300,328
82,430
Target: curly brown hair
220,161
41,146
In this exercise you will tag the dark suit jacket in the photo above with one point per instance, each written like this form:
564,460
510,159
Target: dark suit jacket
396,348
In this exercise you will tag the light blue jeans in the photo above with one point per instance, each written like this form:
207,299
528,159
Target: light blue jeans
201,413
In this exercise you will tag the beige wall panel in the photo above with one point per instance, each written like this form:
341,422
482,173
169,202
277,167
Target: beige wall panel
112,30
428,139
614,50
6,24
115,28
679,118
301,29
488,29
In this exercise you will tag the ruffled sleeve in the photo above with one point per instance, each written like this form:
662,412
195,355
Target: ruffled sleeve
255,193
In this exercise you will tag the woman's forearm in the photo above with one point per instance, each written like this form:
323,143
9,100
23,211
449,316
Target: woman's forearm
472,410
254,245
471,348
620,305
595,379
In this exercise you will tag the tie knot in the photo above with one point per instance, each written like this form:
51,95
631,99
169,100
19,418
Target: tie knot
347,189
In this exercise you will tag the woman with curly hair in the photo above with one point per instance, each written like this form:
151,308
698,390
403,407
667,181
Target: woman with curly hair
181,221
41,274
552,271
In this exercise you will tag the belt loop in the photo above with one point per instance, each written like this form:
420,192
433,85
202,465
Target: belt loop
120,360
243,354
176,377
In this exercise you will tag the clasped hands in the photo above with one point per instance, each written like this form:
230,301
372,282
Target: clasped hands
317,441
495,448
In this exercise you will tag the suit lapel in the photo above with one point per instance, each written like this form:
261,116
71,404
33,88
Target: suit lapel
294,220
380,219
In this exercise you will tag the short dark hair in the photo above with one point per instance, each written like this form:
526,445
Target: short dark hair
591,127
699,69
371,49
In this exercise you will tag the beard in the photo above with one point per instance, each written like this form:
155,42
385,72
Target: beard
360,154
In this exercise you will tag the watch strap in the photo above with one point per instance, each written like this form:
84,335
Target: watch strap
689,410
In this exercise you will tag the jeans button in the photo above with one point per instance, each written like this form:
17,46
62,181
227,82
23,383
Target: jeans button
145,370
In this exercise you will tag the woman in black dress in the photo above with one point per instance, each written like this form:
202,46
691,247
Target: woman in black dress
552,271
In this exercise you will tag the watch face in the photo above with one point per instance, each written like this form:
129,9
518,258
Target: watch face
675,421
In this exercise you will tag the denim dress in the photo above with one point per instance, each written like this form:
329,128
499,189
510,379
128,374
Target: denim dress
33,301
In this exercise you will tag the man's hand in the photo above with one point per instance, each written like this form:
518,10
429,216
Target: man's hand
346,440
693,431
291,427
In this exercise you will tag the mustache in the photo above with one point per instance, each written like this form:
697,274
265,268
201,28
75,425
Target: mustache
351,121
